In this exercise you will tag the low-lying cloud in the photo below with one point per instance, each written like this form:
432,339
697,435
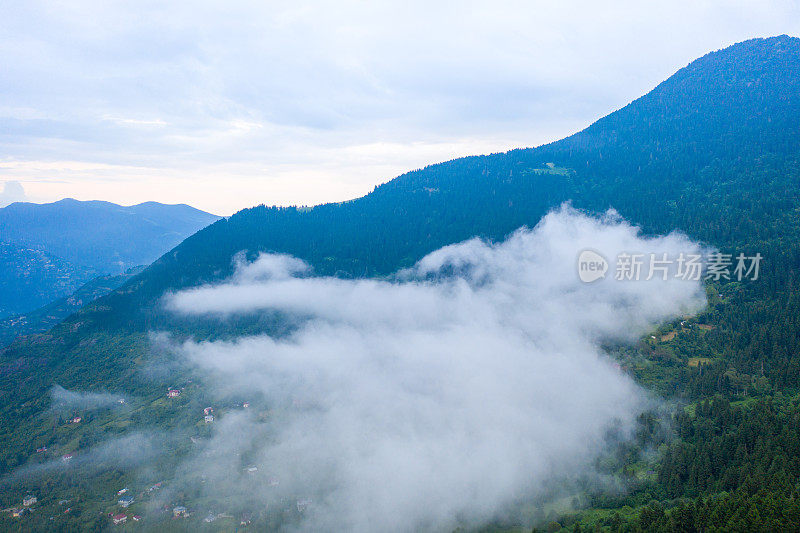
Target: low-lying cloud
64,399
126,451
439,396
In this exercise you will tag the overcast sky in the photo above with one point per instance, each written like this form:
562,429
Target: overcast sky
224,105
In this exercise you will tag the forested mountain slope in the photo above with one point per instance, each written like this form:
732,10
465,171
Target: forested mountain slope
46,317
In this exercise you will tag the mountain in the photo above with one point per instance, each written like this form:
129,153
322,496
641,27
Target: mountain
67,243
44,318
713,151
101,235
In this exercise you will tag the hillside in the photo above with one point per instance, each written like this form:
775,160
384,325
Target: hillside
713,151
30,277
44,318
80,241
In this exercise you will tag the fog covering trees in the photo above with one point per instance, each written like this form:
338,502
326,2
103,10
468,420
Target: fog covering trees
442,394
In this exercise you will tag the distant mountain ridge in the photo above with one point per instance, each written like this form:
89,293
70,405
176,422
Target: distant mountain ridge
49,250
105,236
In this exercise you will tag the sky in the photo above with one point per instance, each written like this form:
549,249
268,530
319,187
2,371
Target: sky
225,105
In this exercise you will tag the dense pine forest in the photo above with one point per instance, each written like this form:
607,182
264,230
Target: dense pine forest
714,151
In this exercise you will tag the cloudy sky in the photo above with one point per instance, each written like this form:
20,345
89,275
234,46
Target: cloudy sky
224,105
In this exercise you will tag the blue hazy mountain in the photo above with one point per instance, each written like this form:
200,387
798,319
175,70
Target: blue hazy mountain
49,250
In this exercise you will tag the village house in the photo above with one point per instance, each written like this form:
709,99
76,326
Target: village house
208,410
208,418
173,393
303,504
246,405
120,492
76,420
66,458
29,500
120,518
179,512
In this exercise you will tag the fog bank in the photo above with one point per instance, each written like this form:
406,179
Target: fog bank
439,396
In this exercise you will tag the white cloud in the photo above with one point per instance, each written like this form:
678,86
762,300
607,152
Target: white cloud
442,395
12,192
136,121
